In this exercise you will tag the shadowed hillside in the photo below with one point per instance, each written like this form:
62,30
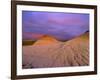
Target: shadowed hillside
28,42
48,52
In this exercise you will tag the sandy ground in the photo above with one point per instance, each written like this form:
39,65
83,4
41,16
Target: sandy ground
74,52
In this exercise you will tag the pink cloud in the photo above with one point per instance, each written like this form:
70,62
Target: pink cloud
29,35
66,21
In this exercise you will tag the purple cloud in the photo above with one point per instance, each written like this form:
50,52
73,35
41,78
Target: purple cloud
63,26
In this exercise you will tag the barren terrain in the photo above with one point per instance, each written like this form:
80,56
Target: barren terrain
49,52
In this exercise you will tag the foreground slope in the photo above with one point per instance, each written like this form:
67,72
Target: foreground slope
48,52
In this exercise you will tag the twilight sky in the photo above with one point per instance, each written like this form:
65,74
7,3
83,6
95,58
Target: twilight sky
62,26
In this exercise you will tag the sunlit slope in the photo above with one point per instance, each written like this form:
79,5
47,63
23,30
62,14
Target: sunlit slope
74,52
46,40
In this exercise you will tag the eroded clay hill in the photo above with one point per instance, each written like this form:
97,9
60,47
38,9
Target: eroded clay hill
49,52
